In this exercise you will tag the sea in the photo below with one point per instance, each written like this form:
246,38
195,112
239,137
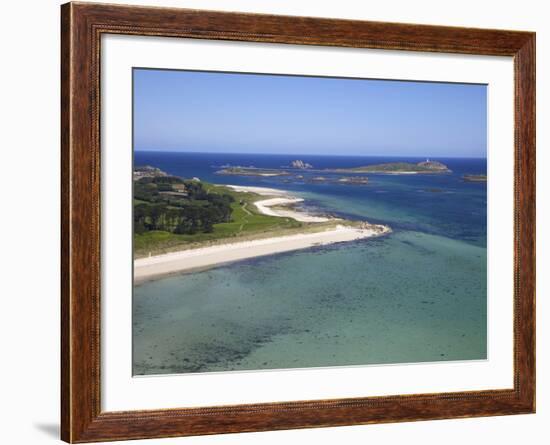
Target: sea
416,295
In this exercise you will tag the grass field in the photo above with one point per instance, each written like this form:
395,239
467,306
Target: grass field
246,223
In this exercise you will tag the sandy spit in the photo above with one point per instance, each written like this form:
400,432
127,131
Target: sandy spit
282,198
265,191
205,257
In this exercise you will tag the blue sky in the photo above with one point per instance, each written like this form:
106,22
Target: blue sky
256,113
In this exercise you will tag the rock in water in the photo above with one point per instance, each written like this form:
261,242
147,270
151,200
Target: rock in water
300,164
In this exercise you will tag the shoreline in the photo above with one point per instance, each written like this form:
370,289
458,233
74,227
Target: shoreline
149,268
264,206
202,258
280,198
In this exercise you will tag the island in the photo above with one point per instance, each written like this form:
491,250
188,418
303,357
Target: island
398,168
474,178
353,180
318,179
146,171
394,168
182,225
344,180
299,164
252,171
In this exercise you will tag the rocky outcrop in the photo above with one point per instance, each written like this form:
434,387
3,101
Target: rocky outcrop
475,178
300,164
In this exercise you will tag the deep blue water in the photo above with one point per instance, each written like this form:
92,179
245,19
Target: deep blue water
416,295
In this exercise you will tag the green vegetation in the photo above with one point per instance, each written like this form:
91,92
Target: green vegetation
173,214
170,204
399,167
428,167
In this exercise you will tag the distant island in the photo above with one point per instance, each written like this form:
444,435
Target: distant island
475,178
252,171
353,180
424,167
146,171
395,168
300,164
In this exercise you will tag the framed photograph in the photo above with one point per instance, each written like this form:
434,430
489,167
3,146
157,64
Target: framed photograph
274,222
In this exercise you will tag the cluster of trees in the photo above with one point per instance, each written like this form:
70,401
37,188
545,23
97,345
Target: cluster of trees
190,211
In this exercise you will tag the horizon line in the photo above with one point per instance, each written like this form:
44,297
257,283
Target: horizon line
311,154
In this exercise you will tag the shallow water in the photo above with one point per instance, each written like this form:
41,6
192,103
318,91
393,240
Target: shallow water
416,295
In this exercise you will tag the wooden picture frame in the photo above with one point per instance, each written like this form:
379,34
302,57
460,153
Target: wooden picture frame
82,25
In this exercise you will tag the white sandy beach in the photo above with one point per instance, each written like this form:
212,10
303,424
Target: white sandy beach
282,198
264,191
265,205
204,257
210,256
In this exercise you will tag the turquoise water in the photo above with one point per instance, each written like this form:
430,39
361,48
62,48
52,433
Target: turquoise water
416,295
